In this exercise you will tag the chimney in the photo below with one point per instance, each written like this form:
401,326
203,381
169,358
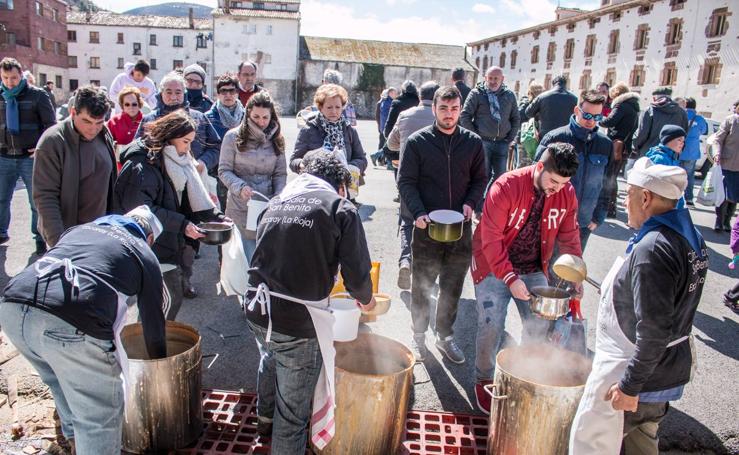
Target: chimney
88,16
191,17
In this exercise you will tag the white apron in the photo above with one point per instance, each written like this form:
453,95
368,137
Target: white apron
322,418
597,427
71,275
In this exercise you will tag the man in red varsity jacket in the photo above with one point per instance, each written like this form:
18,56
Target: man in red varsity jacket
526,211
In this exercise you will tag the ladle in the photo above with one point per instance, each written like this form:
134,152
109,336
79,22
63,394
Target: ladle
573,268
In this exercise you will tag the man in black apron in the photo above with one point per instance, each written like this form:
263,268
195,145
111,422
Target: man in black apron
644,353
308,231
65,312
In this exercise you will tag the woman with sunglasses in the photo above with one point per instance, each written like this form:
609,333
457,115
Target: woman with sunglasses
124,124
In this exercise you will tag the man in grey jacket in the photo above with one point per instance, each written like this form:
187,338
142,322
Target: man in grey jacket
409,122
491,111
554,106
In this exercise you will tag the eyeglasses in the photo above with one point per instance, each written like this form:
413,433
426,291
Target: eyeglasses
589,116
226,91
130,104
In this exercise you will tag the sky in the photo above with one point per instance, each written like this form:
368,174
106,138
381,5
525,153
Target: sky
421,21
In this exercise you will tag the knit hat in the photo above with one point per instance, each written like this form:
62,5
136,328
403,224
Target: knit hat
667,181
195,68
147,215
670,132
662,91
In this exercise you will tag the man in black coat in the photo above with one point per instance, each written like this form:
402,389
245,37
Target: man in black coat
408,98
663,111
554,106
442,169
458,81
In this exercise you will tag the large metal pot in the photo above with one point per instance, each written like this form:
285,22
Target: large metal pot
549,302
535,395
446,225
163,406
374,378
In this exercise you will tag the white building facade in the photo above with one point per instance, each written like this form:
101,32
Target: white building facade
265,32
691,46
100,44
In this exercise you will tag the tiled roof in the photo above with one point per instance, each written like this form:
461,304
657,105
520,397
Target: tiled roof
265,13
113,19
383,52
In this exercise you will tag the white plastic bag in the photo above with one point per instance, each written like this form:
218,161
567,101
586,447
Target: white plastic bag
712,192
234,279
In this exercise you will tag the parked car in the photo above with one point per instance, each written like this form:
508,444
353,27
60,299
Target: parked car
704,162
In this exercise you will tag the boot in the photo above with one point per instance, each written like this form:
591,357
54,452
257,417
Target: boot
718,226
730,209
188,290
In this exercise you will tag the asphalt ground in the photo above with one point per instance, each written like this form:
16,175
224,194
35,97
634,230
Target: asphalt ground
703,421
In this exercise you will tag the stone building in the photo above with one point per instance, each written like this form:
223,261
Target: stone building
101,43
689,45
35,33
370,66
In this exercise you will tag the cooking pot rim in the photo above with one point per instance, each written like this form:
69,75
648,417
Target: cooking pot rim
507,372
138,327
455,217
375,375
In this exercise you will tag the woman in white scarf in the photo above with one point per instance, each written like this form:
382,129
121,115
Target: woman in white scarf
159,171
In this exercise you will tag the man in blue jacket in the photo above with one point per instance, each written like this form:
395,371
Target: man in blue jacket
697,126
593,149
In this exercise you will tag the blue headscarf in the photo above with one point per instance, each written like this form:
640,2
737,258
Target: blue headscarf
679,221
123,221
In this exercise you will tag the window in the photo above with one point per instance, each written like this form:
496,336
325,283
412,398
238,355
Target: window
710,72
40,43
95,37
592,22
10,38
613,44
552,30
551,51
537,34
674,31
669,74
6,4
55,14
177,41
477,63
590,42
569,49
40,11
504,42
177,64
95,62
644,10
535,54
72,61
269,29
58,48
514,57
251,29
73,84
202,42
120,63
258,5
642,37
517,87
153,63
42,78
586,80
120,39
571,27
487,45
152,40
547,82
72,36
136,48
615,17
58,81
677,4
637,76
95,82
611,77
203,65
501,60
485,64
718,24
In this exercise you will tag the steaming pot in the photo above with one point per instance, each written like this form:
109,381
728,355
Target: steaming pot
535,395
549,302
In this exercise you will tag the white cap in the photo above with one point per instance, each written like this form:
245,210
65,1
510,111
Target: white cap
143,212
667,181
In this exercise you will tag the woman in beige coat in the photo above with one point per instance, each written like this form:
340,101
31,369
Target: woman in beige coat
252,160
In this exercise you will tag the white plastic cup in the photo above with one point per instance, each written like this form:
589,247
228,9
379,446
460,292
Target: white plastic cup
254,209
346,319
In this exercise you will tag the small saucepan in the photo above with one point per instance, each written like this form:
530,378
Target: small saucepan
215,233
549,302
446,225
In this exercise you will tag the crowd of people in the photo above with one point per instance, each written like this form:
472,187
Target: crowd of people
530,178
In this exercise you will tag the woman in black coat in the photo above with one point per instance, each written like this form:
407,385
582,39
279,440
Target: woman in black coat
144,179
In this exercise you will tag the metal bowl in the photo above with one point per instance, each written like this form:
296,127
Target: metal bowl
549,302
215,233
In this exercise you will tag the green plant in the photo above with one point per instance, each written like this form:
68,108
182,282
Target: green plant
372,77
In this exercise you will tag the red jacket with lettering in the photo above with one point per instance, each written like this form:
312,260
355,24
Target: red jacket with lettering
507,207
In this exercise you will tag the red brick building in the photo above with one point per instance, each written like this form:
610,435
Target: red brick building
35,33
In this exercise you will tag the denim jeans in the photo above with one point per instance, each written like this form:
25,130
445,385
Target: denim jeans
10,170
449,263
288,373
250,245
689,166
493,296
81,372
496,158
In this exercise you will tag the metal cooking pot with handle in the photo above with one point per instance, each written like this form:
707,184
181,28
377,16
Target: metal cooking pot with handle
549,302
445,225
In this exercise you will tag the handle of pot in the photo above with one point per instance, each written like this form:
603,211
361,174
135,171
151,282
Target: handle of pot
266,199
593,282
491,390
196,364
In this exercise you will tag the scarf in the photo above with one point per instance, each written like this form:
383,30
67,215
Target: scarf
493,100
581,133
679,221
334,133
184,176
11,106
230,118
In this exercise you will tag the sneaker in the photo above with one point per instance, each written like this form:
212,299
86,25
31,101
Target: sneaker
611,215
4,239
396,198
264,427
404,276
374,159
40,247
449,348
188,290
690,204
482,397
420,351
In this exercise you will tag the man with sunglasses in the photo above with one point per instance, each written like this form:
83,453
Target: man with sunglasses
593,149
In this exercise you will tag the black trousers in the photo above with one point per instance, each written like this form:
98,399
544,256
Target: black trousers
172,293
449,263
